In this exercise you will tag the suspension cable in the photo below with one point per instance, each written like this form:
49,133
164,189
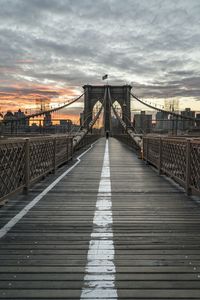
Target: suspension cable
91,124
162,110
82,133
44,112
115,112
131,132
81,126
119,118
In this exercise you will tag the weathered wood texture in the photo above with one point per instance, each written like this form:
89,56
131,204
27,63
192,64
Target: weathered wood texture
44,256
156,234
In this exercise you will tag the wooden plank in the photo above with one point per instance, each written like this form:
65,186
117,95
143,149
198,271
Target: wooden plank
156,235
156,229
123,294
63,221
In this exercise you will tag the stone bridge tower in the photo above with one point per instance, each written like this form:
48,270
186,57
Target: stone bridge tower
94,93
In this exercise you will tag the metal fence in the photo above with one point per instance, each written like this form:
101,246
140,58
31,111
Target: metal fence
23,161
178,158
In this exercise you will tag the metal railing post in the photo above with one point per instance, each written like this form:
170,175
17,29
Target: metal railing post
27,165
147,148
142,150
188,168
67,148
71,150
160,157
54,155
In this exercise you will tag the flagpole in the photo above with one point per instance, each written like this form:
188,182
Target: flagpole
105,77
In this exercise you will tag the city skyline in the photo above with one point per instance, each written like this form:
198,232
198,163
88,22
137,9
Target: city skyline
152,45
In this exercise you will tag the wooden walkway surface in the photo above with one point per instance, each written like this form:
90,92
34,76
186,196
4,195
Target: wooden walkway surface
151,249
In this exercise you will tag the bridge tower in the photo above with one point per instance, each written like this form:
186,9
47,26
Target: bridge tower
94,93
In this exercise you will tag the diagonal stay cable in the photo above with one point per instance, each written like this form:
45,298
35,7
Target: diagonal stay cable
82,133
115,112
131,132
118,117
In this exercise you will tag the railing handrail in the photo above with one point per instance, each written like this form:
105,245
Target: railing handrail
178,158
23,161
175,139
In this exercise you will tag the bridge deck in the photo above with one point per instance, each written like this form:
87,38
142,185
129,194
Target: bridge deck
136,239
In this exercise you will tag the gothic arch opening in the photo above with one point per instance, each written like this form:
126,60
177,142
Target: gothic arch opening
115,125
95,109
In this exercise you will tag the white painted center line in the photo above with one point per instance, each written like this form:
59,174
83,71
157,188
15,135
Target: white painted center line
99,281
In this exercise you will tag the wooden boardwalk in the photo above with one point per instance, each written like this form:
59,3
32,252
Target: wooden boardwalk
138,238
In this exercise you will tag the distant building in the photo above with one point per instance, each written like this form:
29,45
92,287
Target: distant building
16,122
187,124
142,122
20,115
198,120
47,119
9,116
163,121
67,124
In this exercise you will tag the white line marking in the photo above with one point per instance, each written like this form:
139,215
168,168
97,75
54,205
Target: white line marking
99,281
25,210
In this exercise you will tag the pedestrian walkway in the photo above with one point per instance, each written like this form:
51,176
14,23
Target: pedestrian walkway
109,228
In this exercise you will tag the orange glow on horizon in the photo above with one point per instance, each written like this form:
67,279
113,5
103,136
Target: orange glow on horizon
25,97
56,121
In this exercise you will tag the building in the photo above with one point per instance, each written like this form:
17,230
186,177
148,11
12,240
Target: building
198,121
47,119
163,121
142,122
9,116
15,122
20,115
67,124
187,124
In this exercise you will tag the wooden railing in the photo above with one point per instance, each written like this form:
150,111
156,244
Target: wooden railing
179,158
23,161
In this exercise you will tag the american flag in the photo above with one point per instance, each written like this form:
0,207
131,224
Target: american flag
105,77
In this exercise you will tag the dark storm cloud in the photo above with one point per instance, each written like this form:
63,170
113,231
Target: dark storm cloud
187,87
152,44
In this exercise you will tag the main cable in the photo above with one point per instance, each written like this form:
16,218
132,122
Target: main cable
162,110
43,112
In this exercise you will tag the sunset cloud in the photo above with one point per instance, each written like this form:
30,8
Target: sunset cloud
19,96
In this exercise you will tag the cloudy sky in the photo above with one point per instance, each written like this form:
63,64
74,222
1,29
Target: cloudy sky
50,48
